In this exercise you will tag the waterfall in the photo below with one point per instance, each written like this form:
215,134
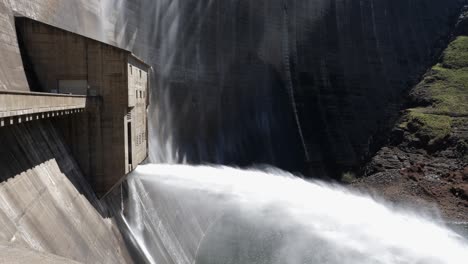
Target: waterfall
187,214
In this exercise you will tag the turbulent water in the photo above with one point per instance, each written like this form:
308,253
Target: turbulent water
185,214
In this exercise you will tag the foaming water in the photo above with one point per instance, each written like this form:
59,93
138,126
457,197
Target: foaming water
186,214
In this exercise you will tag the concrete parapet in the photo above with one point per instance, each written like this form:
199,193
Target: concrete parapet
17,106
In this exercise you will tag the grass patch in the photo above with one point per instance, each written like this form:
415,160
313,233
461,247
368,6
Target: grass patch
445,86
447,82
456,54
426,125
348,177
448,90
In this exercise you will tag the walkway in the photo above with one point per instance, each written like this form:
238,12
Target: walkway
17,107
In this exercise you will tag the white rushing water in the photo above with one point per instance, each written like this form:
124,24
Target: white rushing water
187,214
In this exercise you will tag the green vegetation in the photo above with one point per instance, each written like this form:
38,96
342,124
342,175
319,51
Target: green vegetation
450,87
431,126
348,177
445,86
448,90
456,55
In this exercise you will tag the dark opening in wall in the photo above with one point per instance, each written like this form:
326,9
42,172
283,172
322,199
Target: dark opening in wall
31,76
129,140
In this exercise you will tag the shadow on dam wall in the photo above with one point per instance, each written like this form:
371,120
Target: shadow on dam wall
46,204
221,75
29,145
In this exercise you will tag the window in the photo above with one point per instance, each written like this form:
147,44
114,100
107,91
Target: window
131,70
140,73
141,95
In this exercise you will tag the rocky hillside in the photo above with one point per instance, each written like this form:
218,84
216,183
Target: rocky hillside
426,159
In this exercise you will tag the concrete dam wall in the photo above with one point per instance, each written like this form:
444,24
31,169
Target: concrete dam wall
225,74
234,82
46,204
347,64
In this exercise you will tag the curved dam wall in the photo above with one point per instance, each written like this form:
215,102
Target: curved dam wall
347,63
238,82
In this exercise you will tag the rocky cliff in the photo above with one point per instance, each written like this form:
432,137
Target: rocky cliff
426,158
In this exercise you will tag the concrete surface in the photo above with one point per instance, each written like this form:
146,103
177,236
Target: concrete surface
18,255
113,129
19,106
45,203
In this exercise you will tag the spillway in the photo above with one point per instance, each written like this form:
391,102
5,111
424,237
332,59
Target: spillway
186,214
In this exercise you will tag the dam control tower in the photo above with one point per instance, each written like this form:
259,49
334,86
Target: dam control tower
96,94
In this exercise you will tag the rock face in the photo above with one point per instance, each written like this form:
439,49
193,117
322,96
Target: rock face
426,160
45,203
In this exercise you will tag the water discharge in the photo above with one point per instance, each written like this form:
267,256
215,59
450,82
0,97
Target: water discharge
187,214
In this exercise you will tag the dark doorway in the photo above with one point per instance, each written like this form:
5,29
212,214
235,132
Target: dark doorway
129,140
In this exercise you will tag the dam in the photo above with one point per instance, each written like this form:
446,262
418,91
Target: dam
80,76
193,131
79,98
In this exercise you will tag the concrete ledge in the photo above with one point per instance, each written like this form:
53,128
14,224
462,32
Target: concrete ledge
39,94
17,106
13,120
